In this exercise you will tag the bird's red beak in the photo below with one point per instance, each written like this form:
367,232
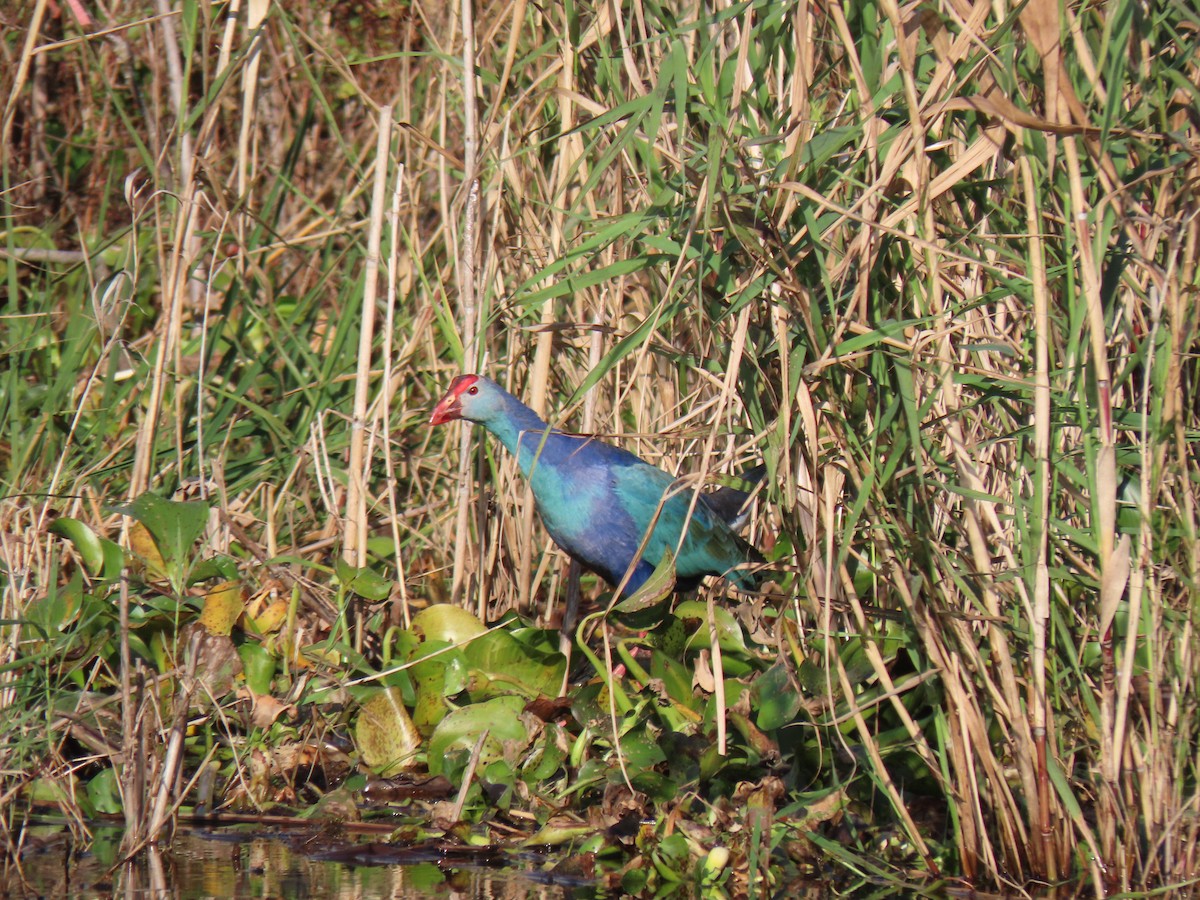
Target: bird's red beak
450,406
447,410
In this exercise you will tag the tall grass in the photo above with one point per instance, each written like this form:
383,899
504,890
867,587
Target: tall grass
935,264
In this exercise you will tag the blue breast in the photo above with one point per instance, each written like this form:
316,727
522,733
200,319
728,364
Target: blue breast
574,482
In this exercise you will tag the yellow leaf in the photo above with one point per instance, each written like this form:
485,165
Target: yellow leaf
143,547
1112,586
272,618
386,737
223,606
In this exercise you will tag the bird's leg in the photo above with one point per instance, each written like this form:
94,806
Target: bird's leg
566,637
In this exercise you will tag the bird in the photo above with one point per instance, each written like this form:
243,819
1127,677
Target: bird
598,501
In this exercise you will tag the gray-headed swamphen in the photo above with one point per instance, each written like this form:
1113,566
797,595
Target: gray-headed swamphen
597,501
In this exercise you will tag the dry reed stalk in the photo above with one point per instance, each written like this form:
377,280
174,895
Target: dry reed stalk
383,404
32,33
354,549
256,13
132,785
1041,490
466,263
177,259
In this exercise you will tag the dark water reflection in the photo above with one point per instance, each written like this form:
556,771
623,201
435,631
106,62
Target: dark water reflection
229,864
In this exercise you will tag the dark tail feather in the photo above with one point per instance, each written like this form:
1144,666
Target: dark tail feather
727,502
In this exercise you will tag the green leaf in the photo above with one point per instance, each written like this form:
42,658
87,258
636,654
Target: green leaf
642,750
662,314
104,792
175,525
102,557
729,632
215,567
461,729
676,678
258,665
439,671
365,582
503,665
775,697
445,622
547,756
575,284
59,607
87,543
659,586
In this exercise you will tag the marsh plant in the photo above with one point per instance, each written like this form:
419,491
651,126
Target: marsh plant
934,264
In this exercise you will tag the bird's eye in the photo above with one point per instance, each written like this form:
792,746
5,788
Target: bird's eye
473,390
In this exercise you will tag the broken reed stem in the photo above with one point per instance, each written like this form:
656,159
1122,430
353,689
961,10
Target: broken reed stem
468,775
171,768
354,549
468,250
177,262
1041,822
388,389
256,13
539,378
132,787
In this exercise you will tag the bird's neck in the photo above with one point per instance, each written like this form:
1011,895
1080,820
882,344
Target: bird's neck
521,431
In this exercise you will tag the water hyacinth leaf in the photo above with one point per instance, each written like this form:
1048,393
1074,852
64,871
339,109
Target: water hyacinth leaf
443,664
439,671
460,730
537,642
398,644
547,756
498,779
444,622
675,678
729,631
670,637
641,750
104,793
386,738
657,787
503,665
